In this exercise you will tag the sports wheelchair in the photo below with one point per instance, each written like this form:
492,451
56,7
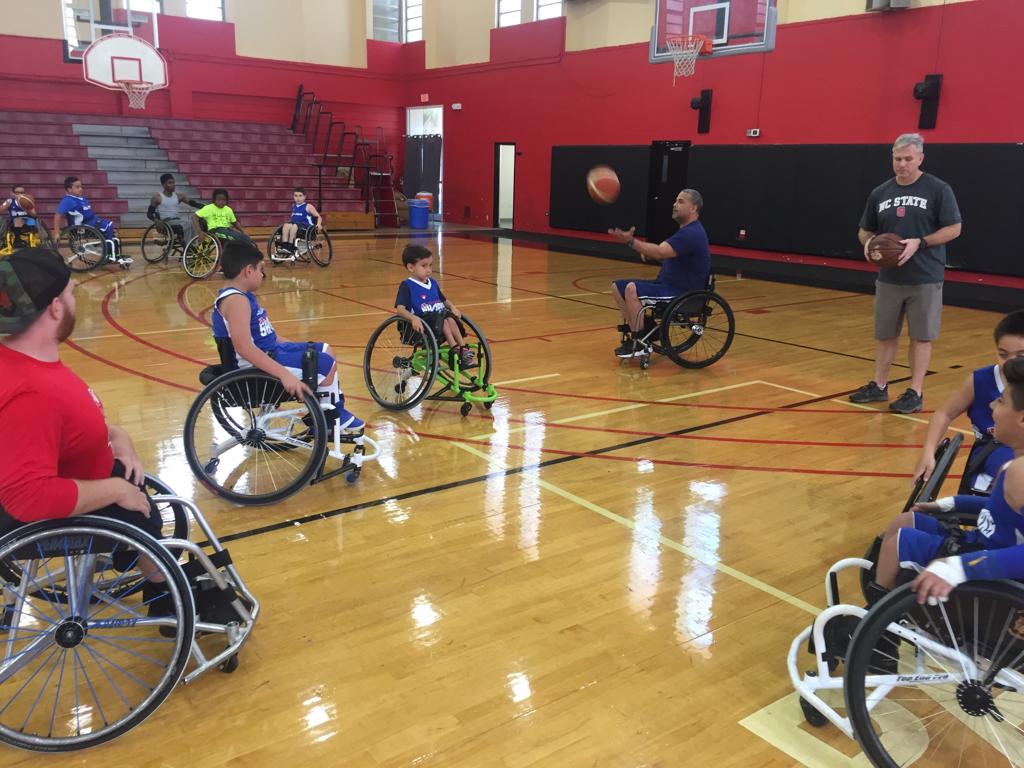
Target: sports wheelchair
249,441
400,367
929,685
86,652
693,330
311,244
37,236
163,239
83,248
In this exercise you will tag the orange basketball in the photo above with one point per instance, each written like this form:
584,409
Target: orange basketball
26,202
603,184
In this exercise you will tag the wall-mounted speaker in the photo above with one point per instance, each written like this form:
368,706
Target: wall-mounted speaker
702,104
927,92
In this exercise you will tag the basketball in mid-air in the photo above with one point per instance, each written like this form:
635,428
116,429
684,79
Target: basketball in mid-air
27,203
884,250
603,185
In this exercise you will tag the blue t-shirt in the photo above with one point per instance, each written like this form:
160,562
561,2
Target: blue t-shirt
263,334
690,268
1000,532
420,298
77,211
988,384
301,215
15,211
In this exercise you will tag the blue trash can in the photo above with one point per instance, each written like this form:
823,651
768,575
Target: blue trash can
419,211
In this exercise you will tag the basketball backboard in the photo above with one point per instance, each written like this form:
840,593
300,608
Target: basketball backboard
733,26
86,21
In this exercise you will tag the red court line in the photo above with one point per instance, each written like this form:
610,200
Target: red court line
848,411
105,309
546,336
120,367
184,304
806,301
389,310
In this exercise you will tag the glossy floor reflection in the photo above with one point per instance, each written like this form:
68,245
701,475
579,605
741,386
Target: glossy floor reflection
605,569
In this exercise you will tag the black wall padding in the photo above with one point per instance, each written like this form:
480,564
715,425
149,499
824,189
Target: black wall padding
571,206
809,198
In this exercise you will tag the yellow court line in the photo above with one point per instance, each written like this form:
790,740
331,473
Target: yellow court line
528,378
663,540
620,409
862,406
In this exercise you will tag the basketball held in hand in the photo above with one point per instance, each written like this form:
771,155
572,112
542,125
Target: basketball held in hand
26,202
884,250
603,185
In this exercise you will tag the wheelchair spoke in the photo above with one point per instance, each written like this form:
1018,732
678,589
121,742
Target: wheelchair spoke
92,690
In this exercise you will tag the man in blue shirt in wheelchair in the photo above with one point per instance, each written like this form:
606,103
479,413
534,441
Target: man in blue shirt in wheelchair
685,259
238,316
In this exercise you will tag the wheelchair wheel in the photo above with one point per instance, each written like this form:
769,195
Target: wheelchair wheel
318,247
174,516
157,242
697,329
480,371
80,672
43,237
201,256
272,244
249,441
82,247
400,365
950,691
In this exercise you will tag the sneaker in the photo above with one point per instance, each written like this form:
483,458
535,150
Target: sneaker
624,350
466,357
641,348
870,393
350,421
909,402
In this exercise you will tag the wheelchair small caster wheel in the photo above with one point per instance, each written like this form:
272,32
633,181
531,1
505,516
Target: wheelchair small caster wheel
229,665
489,404
811,715
645,363
211,466
466,408
352,477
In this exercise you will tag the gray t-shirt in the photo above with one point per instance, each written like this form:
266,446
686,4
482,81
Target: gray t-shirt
913,210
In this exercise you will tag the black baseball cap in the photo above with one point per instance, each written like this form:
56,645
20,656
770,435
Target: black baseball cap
30,279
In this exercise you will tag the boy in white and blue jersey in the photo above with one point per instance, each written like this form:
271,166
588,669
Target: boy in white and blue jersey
75,211
974,397
304,218
238,316
993,550
20,220
420,300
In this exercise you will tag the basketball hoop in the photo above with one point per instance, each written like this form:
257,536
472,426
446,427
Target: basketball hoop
685,49
136,91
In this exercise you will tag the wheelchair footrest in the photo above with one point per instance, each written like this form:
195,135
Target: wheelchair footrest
214,606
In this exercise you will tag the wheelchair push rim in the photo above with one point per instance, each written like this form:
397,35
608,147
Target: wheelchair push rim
319,249
249,441
79,672
82,247
158,242
950,690
201,256
400,365
697,329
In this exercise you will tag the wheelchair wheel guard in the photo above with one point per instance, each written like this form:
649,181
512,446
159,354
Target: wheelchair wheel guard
82,247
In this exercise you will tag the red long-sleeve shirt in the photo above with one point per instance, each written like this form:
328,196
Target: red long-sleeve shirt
52,432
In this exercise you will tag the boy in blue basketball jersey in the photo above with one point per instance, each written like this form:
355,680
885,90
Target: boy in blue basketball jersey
974,397
75,211
420,299
20,220
304,217
238,316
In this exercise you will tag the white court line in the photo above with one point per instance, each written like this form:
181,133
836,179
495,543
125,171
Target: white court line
862,406
625,522
528,378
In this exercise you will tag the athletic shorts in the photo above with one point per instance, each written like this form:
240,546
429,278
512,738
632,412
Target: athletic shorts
649,291
27,222
920,304
289,354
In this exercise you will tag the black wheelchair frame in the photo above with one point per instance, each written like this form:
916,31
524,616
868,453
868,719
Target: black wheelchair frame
319,254
162,239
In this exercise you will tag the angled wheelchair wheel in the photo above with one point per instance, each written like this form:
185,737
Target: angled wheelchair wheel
318,247
479,373
43,237
272,244
946,688
697,329
400,365
201,256
174,516
157,242
80,672
249,441
82,247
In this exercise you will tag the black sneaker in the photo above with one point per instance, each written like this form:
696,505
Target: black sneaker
908,402
624,350
870,393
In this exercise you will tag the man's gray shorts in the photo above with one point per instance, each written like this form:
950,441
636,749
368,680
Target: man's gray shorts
921,304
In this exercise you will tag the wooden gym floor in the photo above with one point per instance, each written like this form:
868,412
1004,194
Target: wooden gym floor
605,570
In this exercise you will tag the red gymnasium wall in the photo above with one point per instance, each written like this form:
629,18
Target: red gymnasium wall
846,80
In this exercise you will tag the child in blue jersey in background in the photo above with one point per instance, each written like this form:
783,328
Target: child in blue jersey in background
420,299
20,221
948,555
304,217
238,315
75,211
974,398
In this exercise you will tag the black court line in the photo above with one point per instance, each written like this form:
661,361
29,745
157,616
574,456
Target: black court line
284,524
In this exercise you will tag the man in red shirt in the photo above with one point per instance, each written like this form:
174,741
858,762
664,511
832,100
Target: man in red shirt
57,452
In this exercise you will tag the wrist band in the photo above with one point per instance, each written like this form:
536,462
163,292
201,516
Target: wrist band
946,503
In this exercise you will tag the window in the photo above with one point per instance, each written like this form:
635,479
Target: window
148,6
548,9
205,9
387,20
413,21
510,12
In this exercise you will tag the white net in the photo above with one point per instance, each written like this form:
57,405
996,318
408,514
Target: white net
685,51
136,93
